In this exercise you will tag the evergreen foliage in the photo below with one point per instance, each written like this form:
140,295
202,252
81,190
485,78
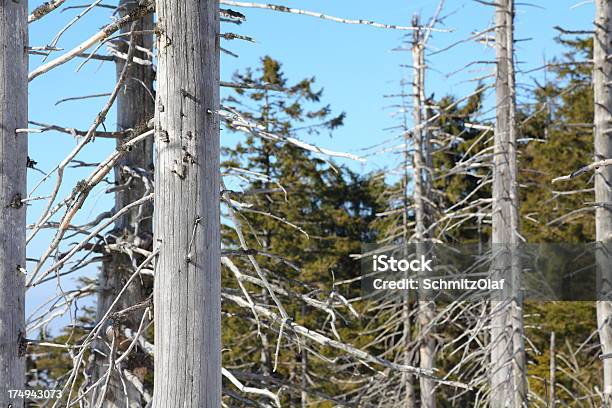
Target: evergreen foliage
305,218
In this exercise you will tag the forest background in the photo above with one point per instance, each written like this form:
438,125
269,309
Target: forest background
357,68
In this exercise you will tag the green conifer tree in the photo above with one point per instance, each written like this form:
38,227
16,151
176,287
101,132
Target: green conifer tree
303,217
561,124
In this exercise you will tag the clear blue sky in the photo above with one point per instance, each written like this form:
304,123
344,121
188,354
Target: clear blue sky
354,65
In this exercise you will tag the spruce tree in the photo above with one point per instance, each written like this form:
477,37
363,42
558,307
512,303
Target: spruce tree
302,217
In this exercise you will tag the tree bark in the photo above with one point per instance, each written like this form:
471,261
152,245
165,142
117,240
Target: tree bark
508,376
135,107
187,291
407,392
602,75
553,373
13,188
426,311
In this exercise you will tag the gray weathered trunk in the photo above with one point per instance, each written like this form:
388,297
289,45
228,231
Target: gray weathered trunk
508,379
135,106
187,290
426,311
13,165
407,380
602,75
418,136
553,372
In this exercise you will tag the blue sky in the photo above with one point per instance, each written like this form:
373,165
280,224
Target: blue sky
354,65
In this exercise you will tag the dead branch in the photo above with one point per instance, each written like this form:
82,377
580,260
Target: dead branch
285,9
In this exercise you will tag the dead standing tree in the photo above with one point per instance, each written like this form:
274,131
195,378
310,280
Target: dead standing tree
411,219
187,220
507,370
135,107
13,165
602,75
421,150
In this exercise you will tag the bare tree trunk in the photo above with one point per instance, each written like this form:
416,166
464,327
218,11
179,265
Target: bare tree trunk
407,380
418,134
13,188
187,290
508,377
135,107
553,371
426,312
602,75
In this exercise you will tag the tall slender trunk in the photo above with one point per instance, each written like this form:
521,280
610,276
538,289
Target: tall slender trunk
602,75
508,377
407,379
418,134
426,311
135,107
266,357
13,188
187,291
552,403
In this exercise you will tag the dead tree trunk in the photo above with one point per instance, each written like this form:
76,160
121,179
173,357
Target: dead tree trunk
426,311
602,75
553,373
407,380
135,107
187,290
13,189
418,134
508,378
